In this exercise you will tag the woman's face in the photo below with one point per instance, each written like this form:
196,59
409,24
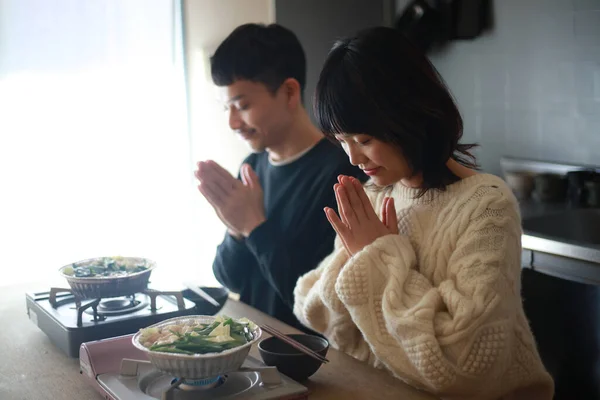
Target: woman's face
383,162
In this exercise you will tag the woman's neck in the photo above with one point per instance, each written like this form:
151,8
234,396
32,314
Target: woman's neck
455,172
459,170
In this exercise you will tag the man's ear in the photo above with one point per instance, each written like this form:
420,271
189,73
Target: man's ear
293,92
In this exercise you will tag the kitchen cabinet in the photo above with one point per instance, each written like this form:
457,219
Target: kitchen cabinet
564,316
561,285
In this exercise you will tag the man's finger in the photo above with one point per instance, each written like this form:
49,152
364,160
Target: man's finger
210,194
249,177
220,171
223,184
202,171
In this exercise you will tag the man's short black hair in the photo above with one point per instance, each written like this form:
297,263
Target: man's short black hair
268,54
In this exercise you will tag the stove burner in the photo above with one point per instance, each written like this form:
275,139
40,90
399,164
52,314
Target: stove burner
138,379
100,309
158,385
200,384
118,306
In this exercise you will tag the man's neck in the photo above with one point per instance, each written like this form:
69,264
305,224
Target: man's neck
301,136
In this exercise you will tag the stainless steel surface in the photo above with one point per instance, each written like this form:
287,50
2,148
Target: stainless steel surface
560,248
571,233
538,166
555,228
575,226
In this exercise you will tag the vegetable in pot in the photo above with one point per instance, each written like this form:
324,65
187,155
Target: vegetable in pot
197,338
105,267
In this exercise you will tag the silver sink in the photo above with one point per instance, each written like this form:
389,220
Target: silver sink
577,226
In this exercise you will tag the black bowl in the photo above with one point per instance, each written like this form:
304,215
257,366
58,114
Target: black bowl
203,307
290,361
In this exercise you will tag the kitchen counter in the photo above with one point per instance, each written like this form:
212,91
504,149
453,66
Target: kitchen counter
576,261
558,240
32,368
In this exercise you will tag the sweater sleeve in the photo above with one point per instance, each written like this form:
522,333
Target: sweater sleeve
233,263
317,306
448,332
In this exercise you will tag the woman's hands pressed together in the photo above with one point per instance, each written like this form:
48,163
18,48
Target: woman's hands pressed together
358,225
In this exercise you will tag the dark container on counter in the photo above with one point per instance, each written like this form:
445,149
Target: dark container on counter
592,193
549,187
582,188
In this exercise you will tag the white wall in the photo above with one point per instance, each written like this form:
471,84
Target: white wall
206,24
93,141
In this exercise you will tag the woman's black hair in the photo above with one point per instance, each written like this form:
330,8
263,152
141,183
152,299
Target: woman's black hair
377,83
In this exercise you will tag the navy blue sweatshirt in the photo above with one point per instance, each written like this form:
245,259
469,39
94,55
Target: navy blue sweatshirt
296,235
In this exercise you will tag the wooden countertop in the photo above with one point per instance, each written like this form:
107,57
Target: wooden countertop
32,368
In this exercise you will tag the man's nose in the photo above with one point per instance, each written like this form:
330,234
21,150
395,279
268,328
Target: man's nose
235,122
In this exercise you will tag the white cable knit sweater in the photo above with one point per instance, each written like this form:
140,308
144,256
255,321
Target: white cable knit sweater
439,304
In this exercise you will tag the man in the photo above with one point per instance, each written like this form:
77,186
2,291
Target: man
277,229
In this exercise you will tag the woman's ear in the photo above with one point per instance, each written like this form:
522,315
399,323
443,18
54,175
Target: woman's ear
293,93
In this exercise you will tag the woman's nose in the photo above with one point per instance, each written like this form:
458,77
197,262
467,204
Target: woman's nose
355,155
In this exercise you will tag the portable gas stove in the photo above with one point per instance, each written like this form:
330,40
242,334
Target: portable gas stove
70,321
119,371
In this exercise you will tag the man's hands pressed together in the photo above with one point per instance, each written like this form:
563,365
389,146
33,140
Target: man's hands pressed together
238,204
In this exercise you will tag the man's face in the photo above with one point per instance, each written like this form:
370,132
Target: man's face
260,117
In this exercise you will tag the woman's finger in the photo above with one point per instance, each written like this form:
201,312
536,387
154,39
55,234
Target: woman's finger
337,224
392,218
339,203
364,199
347,211
384,211
353,198
351,192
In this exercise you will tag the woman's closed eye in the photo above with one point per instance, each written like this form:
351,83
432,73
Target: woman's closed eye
361,140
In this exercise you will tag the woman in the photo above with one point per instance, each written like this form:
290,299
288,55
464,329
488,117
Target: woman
430,290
